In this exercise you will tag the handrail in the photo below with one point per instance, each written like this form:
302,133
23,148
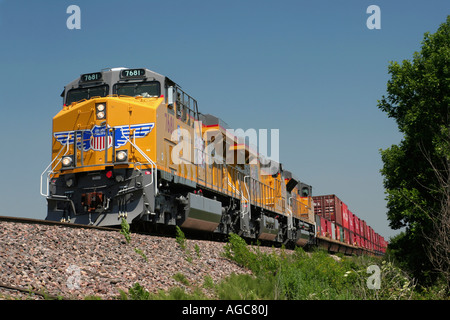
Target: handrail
247,200
290,215
150,161
49,173
50,169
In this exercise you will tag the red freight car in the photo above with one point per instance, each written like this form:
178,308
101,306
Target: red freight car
366,232
351,226
346,236
329,207
344,215
361,228
338,232
339,223
323,225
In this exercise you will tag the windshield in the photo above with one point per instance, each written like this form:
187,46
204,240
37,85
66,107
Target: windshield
145,89
75,95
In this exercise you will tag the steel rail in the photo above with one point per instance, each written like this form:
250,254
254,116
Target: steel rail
46,296
54,223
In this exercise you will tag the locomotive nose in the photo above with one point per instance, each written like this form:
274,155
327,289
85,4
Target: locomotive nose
103,132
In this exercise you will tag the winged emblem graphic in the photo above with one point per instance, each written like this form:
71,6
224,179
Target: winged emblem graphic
95,138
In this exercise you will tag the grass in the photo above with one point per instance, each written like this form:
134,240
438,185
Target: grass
317,276
296,275
125,230
288,275
180,238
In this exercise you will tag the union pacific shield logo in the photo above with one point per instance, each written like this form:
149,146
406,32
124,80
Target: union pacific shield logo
95,138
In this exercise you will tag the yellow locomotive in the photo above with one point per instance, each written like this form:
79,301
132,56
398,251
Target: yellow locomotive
129,143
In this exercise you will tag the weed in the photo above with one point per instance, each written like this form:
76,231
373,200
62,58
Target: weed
308,276
137,292
125,230
189,257
180,238
140,252
246,287
294,275
181,278
197,250
208,282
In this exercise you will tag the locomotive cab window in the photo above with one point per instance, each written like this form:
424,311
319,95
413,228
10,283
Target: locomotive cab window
134,89
78,94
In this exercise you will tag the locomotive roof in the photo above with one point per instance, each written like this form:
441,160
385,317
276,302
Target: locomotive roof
113,75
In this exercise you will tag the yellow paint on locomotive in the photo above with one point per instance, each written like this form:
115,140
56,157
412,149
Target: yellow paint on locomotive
120,111
268,191
169,134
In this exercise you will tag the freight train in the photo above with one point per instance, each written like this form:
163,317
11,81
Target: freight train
131,144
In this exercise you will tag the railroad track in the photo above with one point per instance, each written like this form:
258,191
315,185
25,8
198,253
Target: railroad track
29,292
326,243
53,223
134,228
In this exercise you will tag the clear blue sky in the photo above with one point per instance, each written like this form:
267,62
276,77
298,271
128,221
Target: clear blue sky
309,68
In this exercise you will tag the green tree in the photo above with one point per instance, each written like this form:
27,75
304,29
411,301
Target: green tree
416,171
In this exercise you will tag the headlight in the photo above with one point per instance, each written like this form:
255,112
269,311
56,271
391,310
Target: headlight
121,155
100,110
100,115
67,161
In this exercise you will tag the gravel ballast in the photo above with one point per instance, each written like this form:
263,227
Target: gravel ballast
74,263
